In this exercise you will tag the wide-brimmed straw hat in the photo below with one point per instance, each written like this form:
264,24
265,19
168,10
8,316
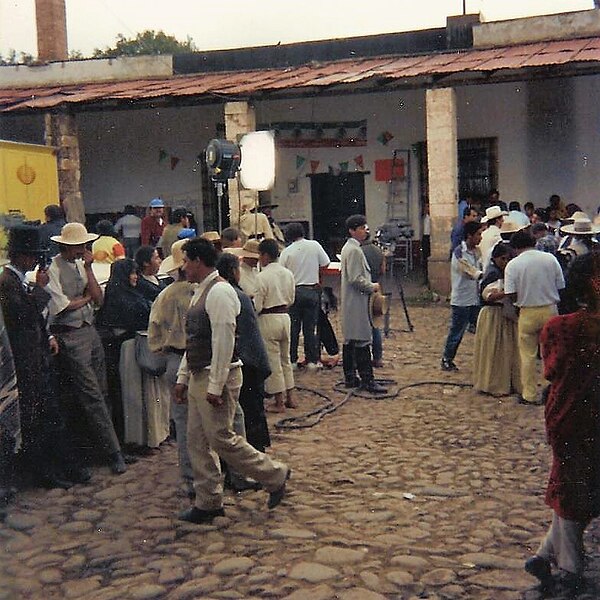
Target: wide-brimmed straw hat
581,227
211,236
493,212
175,259
509,227
379,305
250,249
74,234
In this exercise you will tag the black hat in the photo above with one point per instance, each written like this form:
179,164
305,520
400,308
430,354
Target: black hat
25,239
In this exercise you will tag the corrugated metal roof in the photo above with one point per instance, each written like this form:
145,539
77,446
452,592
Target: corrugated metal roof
237,84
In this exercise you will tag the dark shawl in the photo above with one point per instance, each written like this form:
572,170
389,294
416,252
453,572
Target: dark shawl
124,306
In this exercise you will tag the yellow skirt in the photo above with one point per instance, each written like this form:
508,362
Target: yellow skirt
497,369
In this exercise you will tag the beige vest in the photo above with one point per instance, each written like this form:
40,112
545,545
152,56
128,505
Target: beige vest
73,285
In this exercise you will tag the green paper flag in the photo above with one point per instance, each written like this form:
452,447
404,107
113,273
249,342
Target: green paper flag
344,166
162,155
300,160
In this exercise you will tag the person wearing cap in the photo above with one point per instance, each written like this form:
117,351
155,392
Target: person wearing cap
251,223
209,381
187,233
275,293
532,281
166,334
249,267
493,218
46,446
74,292
357,328
305,259
128,228
180,219
153,223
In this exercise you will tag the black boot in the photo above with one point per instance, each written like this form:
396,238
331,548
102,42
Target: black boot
365,370
348,363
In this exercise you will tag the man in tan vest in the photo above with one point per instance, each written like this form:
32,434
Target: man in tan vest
209,380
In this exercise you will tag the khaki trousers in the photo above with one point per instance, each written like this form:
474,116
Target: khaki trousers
531,321
211,435
275,331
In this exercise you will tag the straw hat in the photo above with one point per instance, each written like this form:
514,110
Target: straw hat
175,260
509,227
379,306
581,227
211,236
250,249
74,234
493,212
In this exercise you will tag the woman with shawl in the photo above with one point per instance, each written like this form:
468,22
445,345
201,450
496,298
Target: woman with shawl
570,346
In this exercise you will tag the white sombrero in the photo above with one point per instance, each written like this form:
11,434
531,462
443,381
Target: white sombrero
74,234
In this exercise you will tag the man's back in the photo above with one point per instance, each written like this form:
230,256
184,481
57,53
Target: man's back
304,258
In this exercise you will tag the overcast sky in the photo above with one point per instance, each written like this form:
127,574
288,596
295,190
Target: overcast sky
237,23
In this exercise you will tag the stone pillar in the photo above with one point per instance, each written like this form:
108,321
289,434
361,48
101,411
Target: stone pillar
51,23
61,132
442,157
240,118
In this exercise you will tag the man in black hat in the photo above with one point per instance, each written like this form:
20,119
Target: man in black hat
46,449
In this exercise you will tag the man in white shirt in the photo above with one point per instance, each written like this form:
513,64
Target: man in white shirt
275,293
532,280
209,380
304,258
494,217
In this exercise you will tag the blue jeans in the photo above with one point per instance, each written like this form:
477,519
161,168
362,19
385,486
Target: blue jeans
304,313
377,347
461,317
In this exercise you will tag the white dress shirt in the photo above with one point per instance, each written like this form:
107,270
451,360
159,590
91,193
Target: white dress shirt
275,287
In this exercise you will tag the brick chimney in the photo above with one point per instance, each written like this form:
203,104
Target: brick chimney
51,22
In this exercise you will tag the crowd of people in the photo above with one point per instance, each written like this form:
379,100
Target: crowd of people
214,321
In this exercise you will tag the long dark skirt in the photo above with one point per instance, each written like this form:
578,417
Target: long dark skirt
251,401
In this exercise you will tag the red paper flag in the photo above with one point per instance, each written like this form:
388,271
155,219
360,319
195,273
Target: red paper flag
314,165
383,169
360,163
174,161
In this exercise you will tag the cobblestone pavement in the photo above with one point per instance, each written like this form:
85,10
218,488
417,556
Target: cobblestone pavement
437,493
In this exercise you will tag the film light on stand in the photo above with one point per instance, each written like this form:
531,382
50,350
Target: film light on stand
257,169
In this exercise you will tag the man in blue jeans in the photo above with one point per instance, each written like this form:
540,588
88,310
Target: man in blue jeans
466,271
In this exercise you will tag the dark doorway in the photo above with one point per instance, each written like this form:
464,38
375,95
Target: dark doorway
334,199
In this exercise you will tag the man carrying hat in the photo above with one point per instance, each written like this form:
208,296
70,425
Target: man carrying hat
46,447
74,291
153,223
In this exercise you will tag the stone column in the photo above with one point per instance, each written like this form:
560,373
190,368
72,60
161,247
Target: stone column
61,132
240,118
51,23
442,157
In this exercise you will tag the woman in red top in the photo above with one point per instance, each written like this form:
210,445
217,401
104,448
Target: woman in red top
571,350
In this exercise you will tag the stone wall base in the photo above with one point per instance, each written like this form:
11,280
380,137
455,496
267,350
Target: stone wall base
439,277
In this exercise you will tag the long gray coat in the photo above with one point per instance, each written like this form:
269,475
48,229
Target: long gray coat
356,289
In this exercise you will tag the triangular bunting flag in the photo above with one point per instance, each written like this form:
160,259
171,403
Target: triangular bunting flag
344,166
162,155
314,165
360,163
300,160
174,161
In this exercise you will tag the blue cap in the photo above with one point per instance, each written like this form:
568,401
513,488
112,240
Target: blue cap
157,203
186,233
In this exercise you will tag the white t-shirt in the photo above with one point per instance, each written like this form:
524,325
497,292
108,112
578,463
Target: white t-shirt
303,258
535,277
129,225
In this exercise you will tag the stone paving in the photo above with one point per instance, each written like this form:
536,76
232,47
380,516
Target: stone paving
437,493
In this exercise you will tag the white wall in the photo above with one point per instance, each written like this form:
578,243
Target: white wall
120,156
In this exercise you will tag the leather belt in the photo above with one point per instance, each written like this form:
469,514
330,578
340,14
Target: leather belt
275,310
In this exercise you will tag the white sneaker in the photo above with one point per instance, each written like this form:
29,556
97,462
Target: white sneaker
314,366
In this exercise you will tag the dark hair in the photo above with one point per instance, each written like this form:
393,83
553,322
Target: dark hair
120,271
178,214
105,227
539,227
541,213
53,212
554,198
230,234
355,221
144,256
514,205
471,228
522,239
468,210
572,208
129,209
226,265
201,249
581,271
528,205
270,248
294,231
501,249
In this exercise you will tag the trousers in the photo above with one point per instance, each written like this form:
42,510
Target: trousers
461,317
531,321
275,330
563,544
304,314
211,435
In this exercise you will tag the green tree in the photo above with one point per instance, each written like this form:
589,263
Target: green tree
16,58
147,42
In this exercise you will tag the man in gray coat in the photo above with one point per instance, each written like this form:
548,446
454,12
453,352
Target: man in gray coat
356,323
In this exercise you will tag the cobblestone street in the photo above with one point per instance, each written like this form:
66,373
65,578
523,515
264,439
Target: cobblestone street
437,493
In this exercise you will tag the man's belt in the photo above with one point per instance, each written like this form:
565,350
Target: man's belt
275,310
310,286
58,328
